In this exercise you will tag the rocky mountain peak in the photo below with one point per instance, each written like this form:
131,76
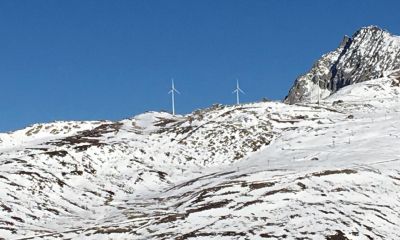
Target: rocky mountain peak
366,55
370,28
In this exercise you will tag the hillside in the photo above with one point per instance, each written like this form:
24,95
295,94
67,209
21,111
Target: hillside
266,170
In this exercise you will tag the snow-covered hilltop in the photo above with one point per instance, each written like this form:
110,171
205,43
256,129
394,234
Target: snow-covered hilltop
267,170
367,55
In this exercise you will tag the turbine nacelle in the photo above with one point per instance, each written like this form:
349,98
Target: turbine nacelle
173,89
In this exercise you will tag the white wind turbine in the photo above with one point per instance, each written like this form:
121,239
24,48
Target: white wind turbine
172,92
237,91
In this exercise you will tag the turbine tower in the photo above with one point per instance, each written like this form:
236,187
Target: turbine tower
237,91
172,92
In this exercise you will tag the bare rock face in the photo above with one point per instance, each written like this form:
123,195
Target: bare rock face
366,55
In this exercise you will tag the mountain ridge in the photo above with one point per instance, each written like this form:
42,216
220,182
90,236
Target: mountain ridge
365,56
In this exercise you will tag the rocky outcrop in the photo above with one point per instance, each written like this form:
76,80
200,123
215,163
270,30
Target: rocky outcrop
366,55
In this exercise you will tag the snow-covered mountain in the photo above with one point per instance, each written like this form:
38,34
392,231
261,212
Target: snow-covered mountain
266,170
367,55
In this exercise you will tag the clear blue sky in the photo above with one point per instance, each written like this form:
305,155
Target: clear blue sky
94,59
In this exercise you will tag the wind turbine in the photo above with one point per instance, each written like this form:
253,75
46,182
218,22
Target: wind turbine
237,91
172,92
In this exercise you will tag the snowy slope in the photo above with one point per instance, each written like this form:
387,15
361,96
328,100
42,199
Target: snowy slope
39,133
264,170
254,171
